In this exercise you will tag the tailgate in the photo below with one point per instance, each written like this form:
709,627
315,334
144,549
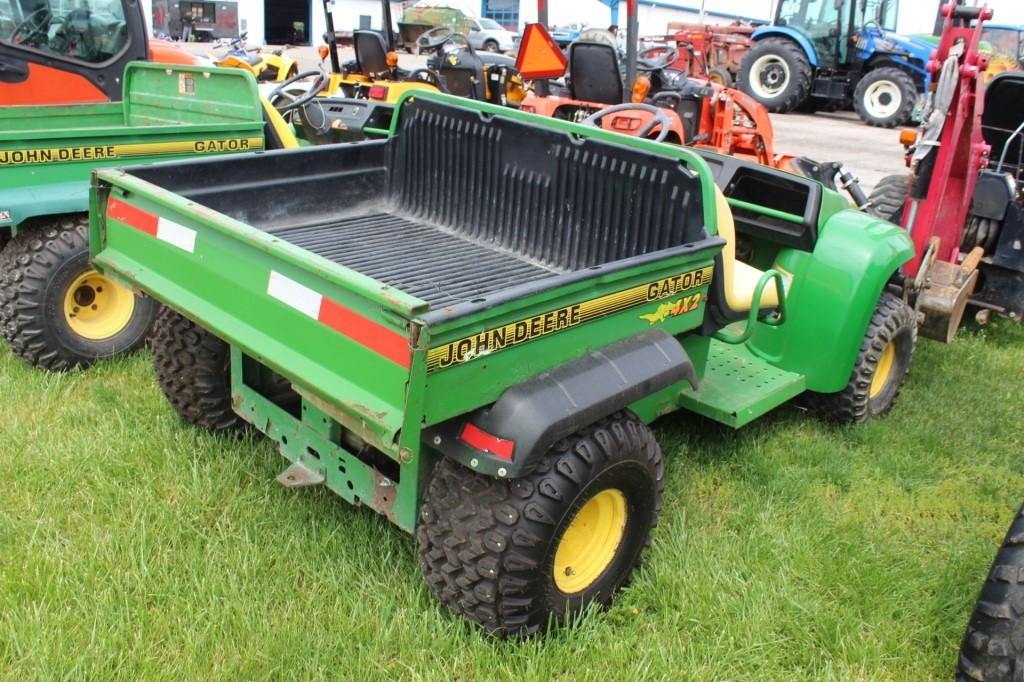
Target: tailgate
331,331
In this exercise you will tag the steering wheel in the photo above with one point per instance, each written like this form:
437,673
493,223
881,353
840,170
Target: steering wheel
660,119
434,38
428,76
38,22
656,58
294,102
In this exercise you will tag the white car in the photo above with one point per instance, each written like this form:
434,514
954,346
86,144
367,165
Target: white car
489,35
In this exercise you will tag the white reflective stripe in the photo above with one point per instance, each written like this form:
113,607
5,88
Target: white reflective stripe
178,235
298,296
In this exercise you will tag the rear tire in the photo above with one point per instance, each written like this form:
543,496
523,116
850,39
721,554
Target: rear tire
193,368
776,73
880,368
491,46
993,645
885,97
514,556
56,311
889,196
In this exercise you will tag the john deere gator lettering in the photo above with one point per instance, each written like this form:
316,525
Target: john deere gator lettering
493,340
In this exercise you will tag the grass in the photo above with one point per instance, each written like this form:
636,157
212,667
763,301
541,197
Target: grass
133,547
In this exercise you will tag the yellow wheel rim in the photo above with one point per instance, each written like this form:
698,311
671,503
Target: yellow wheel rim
884,370
96,308
590,542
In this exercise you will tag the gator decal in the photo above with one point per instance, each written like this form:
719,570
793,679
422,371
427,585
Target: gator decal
681,306
560,319
28,157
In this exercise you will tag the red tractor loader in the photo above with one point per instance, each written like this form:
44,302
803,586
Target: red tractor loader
962,202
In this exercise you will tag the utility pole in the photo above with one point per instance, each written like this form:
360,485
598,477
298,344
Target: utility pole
632,38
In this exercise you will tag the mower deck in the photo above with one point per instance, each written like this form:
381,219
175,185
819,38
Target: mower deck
738,387
419,258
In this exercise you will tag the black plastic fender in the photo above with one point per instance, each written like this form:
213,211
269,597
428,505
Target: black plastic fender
530,417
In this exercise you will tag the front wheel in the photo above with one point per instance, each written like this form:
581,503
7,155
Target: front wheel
776,73
56,311
515,555
885,97
880,369
491,46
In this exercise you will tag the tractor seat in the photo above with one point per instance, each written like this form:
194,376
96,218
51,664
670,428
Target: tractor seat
594,73
253,59
371,52
739,279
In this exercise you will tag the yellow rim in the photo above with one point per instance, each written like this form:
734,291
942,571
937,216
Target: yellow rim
884,370
96,308
590,542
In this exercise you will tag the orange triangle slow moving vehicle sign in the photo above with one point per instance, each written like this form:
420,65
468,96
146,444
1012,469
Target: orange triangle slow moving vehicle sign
539,56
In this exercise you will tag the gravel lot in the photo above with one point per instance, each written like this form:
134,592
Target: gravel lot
871,153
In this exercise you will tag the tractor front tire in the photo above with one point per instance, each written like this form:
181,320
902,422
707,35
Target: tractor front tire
885,97
880,369
56,311
889,196
993,645
193,368
517,555
776,73
721,76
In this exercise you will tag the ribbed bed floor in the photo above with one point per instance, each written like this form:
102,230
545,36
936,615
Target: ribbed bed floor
417,258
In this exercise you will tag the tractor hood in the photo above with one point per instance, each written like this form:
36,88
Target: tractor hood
917,48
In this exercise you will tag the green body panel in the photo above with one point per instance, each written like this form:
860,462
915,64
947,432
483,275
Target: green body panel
47,153
738,387
833,293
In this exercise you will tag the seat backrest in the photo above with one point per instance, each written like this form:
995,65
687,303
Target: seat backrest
567,203
371,52
594,73
462,74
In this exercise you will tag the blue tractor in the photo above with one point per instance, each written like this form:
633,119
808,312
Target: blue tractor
823,53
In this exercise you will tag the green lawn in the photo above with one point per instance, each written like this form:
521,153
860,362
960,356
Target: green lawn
133,547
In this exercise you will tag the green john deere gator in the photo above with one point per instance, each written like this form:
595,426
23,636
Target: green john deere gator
56,311
474,348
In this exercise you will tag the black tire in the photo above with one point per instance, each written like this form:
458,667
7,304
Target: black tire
900,84
487,546
720,75
39,267
798,87
193,368
893,323
889,196
491,46
993,645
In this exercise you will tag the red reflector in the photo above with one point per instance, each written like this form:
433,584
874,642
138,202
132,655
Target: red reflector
625,123
378,92
528,108
485,442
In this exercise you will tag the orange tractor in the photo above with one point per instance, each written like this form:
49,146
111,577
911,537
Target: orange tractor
660,102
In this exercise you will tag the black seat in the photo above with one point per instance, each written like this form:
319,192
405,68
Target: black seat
594,72
462,74
371,52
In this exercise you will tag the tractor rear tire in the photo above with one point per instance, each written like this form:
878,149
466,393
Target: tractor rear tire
776,73
56,311
193,368
889,196
993,645
880,368
517,555
885,97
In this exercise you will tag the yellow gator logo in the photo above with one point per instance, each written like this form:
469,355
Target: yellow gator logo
27,157
675,308
560,319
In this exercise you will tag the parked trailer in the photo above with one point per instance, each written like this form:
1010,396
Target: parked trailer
475,348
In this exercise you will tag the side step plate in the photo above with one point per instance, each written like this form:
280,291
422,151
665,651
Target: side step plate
738,387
